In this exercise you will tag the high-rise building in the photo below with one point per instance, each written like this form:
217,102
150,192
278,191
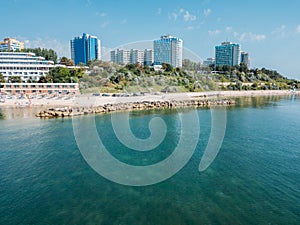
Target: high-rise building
136,56
120,56
85,48
133,56
168,49
245,58
148,57
11,44
227,54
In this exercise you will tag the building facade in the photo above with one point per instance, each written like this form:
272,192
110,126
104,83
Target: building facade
24,65
245,58
168,49
41,88
85,48
227,54
148,57
133,56
136,56
120,56
11,44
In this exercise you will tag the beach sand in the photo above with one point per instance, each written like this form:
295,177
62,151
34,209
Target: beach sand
90,100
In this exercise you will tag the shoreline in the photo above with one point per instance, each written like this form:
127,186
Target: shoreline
84,105
89,100
88,104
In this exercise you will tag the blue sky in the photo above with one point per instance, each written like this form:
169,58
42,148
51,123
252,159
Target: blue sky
268,30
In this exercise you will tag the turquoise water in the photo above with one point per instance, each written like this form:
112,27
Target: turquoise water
255,178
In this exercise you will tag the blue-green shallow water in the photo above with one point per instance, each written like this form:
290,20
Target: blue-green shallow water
255,178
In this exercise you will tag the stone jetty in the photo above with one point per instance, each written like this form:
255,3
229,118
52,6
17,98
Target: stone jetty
143,105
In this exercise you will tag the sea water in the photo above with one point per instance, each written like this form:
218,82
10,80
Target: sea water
254,179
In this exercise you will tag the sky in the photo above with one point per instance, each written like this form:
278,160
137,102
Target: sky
268,30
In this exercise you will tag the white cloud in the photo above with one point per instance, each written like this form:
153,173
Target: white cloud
159,11
186,15
173,16
298,28
228,29
214,32
190,28
249,36
207,12
189,17
104,25
61,48
280,31
88,2
102,14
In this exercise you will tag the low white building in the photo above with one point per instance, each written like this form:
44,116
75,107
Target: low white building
24,65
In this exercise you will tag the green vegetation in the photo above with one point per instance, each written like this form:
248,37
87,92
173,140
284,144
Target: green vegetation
15,79
63,75
109,77
240,77
65,61
2,80
48,54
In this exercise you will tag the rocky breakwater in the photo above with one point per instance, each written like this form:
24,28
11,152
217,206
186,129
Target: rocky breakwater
106,108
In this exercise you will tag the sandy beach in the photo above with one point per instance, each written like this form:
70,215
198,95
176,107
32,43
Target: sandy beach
90,100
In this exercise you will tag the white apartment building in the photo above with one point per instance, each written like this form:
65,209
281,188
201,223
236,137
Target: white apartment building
148,57
23,64
120,56
136,56
133,56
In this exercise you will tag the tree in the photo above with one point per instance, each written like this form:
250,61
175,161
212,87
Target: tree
46,79
30,80
48,54
2,80
243,67
15,79
65,61
167,67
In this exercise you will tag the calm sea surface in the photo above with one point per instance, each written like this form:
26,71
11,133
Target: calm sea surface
255,178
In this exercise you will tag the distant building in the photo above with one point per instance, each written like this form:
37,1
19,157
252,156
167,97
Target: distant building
245,58
136,56
41,88
85,48
11,44
24,65
168,49
120,56
148,57
209,61
227,54
133,56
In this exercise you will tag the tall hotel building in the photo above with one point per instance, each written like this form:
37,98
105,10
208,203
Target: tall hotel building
227,54
85,48
168,49
245,58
